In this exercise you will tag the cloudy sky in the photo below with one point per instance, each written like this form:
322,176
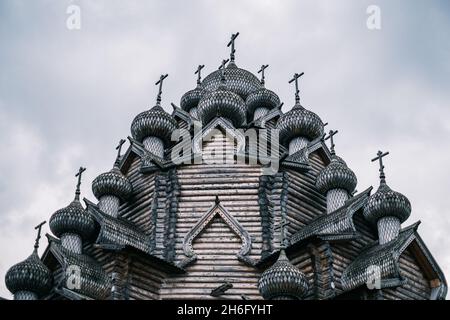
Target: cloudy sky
67,96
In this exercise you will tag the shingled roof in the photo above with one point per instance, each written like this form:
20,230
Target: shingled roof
337,225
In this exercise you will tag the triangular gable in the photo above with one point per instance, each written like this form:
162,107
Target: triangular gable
300,159
182,115
221,124
94,281
116,233
386,258
335,226
217,210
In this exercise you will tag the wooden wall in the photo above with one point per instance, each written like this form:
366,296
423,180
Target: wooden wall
237,187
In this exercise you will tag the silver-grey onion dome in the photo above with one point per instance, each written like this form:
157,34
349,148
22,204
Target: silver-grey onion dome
336,176
299,122
283,280
73,219
191,98
262,98
112,183
240,81
154,122
222,103
29,275
387,203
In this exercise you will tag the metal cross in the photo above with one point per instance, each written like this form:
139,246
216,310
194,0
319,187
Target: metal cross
222,67
119,149
160,82
379,157
199,70
295,78
79,173
330,136
38,228
263,67
231,43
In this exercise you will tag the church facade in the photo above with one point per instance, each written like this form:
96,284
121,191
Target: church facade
207,215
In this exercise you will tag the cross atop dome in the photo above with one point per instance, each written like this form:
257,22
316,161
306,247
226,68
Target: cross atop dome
38,228
231,43
295,78
119,149
160,83
222,68
379,157
330,136
198,73
263,67
77,191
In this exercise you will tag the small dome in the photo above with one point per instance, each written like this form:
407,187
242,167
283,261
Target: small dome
29,275
239,81
387,203
299,122
112,183
223,103
72,219
336,176
283,280
262,98
191,98
154,122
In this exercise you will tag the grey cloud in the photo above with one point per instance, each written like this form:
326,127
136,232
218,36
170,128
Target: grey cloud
66,97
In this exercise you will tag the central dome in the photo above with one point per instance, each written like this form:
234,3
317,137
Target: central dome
222,103
239,81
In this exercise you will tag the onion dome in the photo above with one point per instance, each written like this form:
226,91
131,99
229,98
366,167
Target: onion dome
222,102
299,122
113,183
154,122
73,218
386,202
336,176
239,81
262,98
283,280
30,275
191,98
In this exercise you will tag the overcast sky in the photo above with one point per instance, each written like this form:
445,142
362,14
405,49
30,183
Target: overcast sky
67,96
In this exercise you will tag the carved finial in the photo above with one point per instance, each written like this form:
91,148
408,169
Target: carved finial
38,228
379,157
222,68
77,191
231,43
119,149
160,83
330,136
263,67
217,199
198,72
295,78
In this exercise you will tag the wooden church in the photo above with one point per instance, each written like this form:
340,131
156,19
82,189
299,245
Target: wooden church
213,223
